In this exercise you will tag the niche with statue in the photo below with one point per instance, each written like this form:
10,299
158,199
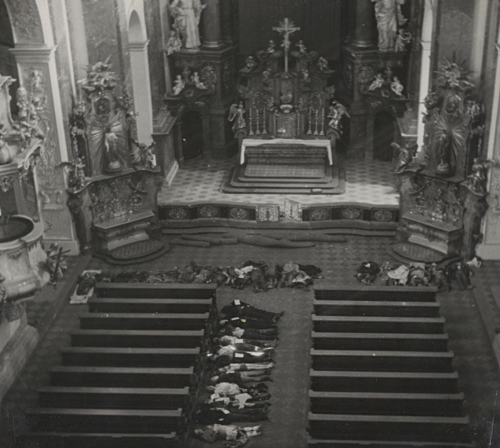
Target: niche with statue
113,178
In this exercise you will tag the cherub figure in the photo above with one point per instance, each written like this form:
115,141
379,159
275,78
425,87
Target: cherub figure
302,48
271,47
402,40
377,83
396,86
179,85
305,75
197,82
237,116
405,157
174,44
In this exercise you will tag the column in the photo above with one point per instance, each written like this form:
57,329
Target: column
365,24
211,25
425,66
478,39
227,17
489,249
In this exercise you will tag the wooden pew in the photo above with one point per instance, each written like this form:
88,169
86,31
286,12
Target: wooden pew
375,308
103,420
380,341
137,338
130,357
387,427
331,443
99,305
361,324
143,321
121,376
113,397
377,293
384,403
158,291
382,361
98,440
417,382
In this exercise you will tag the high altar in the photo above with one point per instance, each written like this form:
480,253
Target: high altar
287,123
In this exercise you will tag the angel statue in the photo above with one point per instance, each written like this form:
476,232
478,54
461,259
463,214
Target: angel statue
405,157
335,114
402,40
377,83
476,181
179,85
143,154
174,44
237,116
187,15
396,86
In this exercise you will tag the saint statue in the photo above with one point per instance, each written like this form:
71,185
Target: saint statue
389,20
187,19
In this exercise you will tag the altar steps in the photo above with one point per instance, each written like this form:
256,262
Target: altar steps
381,373
131,375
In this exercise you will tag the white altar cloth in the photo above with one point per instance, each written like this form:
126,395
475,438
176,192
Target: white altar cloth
322,143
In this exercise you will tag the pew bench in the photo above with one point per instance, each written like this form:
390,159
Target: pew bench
375,308
114,305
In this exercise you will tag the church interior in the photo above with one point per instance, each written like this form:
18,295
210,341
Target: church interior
272,223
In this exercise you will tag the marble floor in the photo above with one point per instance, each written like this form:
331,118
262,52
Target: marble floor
200,181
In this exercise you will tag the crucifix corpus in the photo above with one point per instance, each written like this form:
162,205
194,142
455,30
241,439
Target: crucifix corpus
286,28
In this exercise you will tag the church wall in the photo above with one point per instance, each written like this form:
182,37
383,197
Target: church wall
454,30
319,21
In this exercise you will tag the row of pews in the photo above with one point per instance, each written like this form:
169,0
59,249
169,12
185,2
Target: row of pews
382,374
131,374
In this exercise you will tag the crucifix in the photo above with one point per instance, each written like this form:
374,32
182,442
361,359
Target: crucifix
287,27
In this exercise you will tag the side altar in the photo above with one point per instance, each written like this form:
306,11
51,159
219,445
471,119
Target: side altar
113,180
287,122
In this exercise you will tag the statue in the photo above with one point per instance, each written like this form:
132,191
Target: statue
396,86
77,177
402,40
271,47
187,19
179,85
302,48
476,181
174,44
144,154
113,164
5,154
405,157
23,104
335,114
377,83
322,64
237,116
389,20
443,154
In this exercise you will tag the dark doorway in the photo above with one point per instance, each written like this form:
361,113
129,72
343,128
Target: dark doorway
383,136
192,135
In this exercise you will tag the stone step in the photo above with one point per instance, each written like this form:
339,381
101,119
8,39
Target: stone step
375,308
121,377
130,421
417,382
380,341
115,305
130,357
384,361
393,428
114,397
98,440
361,324
143,321
137,338
158,291
384,403
332,443
377,293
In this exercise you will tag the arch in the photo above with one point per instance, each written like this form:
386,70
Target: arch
136,32
30,21
139,66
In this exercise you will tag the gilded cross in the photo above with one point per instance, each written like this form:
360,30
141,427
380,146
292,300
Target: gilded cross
287,27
